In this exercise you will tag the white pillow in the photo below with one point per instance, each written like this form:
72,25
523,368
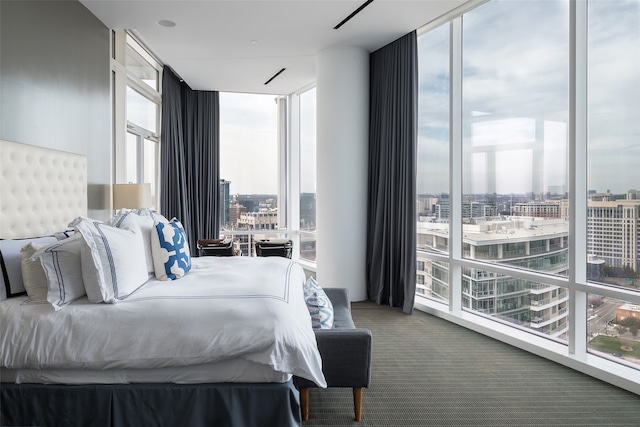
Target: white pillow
113,260
170,248
319,305
33,277
146,219
11,264
61,264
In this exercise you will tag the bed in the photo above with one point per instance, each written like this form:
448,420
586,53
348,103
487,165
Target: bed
217,345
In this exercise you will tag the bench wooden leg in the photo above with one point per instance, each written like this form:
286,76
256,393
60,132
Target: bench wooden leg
304,403
357,402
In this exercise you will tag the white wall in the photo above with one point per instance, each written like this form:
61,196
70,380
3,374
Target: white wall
342,131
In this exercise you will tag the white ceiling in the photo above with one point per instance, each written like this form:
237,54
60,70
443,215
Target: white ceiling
210,47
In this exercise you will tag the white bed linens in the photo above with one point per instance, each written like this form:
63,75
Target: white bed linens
225,308
228,371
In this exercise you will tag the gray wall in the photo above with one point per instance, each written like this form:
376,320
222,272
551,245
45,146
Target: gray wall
55,85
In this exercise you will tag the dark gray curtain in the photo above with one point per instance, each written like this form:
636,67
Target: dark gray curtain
189,168
391,228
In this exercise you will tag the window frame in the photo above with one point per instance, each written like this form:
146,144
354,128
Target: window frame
294,174
574,352
245,238
121,41
312,234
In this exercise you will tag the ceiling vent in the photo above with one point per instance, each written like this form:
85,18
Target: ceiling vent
274,76
354,13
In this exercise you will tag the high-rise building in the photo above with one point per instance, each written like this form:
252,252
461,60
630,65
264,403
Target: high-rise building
613,231
536,239
424,205
248,202
307,211
224,202
263,219
529,243
235,210
470,209
548,209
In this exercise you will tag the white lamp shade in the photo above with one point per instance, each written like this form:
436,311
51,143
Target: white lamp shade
131,196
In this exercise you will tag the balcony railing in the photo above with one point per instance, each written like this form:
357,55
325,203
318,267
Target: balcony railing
548,317
539,303
246,238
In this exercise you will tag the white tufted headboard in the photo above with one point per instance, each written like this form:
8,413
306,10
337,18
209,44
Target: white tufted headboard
41,190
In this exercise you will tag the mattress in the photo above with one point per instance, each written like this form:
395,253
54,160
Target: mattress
234,319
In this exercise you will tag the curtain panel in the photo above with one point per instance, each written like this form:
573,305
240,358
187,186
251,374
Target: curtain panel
189,151
391,227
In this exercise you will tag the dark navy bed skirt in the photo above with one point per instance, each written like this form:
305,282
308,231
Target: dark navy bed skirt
171,405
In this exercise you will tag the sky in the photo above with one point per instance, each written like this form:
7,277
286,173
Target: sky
515,98
249,143
515,106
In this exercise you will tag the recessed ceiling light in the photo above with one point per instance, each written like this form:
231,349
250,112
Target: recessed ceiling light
166,23
253,41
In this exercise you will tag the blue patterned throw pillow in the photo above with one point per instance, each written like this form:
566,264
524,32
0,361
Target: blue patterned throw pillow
319,305
170,250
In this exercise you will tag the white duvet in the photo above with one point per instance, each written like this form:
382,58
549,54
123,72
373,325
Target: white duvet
225,308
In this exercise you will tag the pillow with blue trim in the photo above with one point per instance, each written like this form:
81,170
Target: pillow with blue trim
170,249
319,305
11,276
61,264
112,259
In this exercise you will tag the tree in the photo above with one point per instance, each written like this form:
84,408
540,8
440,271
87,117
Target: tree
631,324
621,329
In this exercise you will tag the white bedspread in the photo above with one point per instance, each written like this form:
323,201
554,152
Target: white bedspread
225,308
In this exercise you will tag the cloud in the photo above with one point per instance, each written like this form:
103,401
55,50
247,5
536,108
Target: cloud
516,68
248,143
614,96
433,161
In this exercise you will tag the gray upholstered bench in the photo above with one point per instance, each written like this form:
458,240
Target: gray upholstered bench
345,352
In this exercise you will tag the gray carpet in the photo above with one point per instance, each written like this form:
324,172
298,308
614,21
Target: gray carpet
429,372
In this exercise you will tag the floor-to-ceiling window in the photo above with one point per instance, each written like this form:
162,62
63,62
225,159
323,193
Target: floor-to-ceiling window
613,203
432,186
136,103
307,166
528,146
251,169
143,101
515,57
